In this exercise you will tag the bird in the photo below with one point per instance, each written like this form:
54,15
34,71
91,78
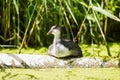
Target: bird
61,48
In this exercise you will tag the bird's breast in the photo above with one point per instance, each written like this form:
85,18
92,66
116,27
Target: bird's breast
59,50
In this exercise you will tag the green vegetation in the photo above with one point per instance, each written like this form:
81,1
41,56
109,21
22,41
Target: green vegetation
88,50
61,74
100,50
25,23
91,23
64,73
24,51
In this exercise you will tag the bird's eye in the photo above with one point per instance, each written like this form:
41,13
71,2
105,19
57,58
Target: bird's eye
54,27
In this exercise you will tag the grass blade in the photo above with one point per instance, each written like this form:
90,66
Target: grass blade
28,25
16,6
106,44
106,13
71,13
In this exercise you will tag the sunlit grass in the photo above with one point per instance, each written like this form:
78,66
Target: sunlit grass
61,74
25,51
88,50
100,50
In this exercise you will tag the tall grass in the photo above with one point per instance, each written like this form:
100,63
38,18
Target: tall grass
25,23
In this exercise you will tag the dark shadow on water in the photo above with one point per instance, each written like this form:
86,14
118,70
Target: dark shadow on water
31,76
10,76
119,63
5,76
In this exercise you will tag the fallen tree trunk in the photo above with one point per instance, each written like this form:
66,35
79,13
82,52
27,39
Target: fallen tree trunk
45,61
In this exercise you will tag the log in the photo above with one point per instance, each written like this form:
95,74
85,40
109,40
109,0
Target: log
46,61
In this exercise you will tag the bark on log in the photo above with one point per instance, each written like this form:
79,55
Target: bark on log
45,61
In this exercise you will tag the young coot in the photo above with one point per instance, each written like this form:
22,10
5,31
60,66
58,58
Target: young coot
62,47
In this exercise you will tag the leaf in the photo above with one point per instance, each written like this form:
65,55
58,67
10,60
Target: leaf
71,13
106,13
16,6
83,3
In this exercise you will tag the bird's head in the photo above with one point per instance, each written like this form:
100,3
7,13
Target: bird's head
55,30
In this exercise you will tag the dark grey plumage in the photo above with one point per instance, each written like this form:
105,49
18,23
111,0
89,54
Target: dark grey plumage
62,47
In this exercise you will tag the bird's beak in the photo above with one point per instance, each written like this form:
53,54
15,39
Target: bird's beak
49,32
